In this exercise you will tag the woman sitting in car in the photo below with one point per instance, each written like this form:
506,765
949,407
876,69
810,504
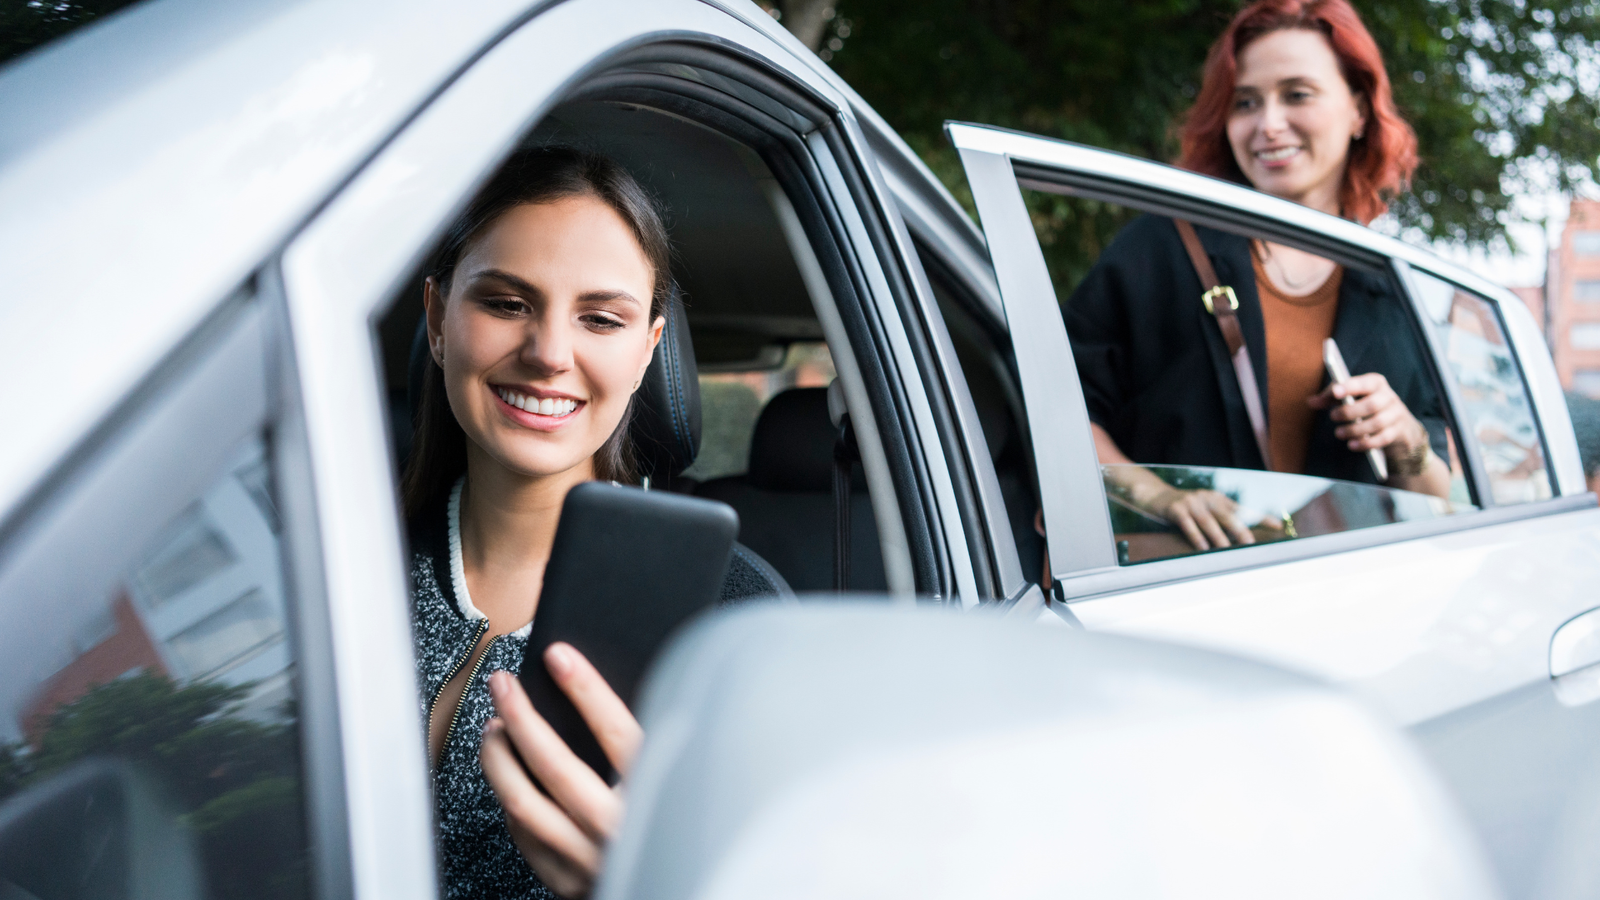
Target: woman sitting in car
1295,103
543,310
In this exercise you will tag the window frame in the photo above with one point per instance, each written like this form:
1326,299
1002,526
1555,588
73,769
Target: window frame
1000,164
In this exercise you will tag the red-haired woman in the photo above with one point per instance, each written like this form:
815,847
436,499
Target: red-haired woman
1296,104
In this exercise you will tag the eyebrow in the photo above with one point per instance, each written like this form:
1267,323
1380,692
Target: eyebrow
1286,82
523,286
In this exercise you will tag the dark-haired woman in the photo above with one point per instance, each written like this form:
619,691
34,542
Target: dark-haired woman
1295,103
543,311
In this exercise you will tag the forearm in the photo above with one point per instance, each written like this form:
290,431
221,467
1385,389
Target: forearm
1135,483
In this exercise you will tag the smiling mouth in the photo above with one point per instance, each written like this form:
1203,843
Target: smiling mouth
550,406
1277,155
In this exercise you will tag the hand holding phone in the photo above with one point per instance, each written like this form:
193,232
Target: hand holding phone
1339,373
627,568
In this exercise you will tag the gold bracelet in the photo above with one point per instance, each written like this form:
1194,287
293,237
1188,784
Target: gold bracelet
1412,464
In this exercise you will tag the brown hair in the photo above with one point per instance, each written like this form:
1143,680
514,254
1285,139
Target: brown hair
537,175
1380,162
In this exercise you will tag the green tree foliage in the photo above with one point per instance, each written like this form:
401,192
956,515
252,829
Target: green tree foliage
237,780
1503,93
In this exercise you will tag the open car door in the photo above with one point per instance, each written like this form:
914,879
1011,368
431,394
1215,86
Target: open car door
1459,614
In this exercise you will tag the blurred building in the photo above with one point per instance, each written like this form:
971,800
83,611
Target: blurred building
1572,289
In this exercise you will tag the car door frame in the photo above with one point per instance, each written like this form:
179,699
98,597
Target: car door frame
332,300
999,163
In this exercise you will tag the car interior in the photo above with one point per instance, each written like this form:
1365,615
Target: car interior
736,407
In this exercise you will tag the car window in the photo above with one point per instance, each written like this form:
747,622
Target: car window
1493,400
1163,384
1271,506
150,732
733,393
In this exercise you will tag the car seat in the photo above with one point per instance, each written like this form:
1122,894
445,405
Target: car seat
665,429
785,498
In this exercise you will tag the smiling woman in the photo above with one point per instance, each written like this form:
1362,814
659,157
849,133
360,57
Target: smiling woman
544,306
1294,103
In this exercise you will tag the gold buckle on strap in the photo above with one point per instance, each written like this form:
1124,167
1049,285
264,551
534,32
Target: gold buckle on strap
1220,290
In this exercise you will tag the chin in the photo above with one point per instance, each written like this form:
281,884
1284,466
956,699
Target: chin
539,462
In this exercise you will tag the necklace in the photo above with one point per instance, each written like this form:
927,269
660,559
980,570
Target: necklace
1268,259
458,569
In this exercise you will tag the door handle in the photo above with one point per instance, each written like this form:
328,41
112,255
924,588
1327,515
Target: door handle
1576,644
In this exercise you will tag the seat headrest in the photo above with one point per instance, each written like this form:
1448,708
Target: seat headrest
792,448
666,414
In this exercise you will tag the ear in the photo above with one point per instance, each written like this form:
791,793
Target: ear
656,329
433,308
1363,114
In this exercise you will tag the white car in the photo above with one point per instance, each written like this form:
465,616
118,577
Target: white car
212,217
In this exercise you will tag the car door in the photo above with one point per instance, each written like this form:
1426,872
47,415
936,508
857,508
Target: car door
1445,620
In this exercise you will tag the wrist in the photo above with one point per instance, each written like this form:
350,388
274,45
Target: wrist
1408,459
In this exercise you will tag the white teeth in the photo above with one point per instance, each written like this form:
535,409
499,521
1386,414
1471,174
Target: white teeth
547,407
1280,153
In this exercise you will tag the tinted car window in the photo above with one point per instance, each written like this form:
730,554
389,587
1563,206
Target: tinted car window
149,743
1495,410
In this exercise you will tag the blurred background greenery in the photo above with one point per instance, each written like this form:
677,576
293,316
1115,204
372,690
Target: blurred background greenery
1504,94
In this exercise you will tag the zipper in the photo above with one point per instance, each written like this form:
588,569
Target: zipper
471,676
483,625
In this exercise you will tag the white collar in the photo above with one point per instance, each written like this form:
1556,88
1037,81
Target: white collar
458,571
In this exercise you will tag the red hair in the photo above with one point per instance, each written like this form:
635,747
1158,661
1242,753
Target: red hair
1380,162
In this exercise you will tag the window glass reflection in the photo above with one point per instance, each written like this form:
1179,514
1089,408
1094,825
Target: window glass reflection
1271,506
157,718
1495,408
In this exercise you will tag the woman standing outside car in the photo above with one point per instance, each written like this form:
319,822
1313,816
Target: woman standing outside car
1295,103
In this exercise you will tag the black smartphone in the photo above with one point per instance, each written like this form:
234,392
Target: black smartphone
628,567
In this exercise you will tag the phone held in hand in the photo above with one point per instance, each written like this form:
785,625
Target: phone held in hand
627,568
1339,373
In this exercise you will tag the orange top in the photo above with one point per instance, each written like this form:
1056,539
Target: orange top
1296,328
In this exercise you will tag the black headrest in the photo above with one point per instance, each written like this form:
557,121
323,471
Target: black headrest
666,414
792,448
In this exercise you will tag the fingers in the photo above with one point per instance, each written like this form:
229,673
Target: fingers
564,857
608,717
1207,520
1357,388
572,784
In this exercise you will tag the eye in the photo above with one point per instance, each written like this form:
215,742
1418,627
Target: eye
505,306
1299,96
602,321
1242,104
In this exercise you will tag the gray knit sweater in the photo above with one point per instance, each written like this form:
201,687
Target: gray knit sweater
478,859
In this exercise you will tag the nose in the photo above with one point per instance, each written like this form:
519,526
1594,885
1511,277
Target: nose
1273,119
547,344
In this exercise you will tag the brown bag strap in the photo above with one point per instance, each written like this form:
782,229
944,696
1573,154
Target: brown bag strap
1223,303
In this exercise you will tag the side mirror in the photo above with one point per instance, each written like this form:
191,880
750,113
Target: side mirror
96,831
851,751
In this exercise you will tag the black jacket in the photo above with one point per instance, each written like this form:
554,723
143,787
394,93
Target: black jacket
1155,368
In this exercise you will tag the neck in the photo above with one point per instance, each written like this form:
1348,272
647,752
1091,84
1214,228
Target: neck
508,524
1323,197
